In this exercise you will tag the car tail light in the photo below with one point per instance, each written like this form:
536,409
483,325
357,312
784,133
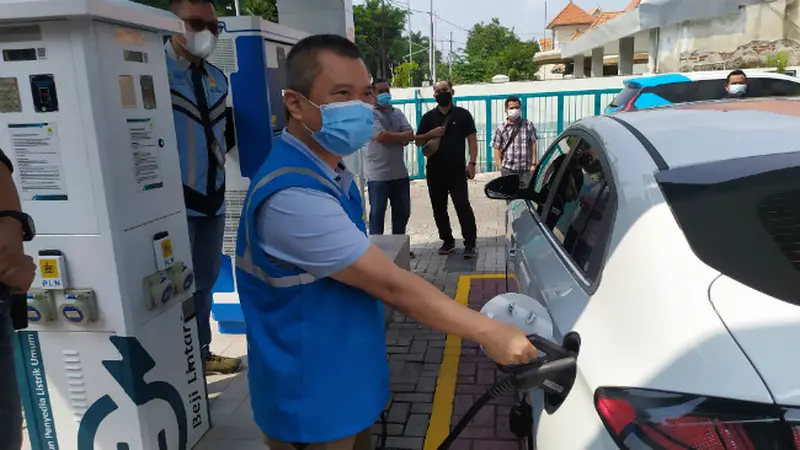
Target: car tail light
640,419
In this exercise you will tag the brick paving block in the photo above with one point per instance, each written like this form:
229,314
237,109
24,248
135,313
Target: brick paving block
417,425
421,408
398,413
462,403
405,443
496,445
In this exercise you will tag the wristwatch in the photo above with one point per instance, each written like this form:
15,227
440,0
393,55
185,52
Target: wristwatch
28,227
472,163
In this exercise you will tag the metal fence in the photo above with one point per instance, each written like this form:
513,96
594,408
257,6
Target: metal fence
551,113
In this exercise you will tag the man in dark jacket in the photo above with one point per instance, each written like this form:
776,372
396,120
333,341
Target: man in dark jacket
16,275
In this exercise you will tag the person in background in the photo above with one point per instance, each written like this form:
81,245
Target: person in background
447,171
310,282
385,165
204,131
17,271
736,86
514,143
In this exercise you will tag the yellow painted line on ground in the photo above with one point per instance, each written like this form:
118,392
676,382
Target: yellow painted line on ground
439,426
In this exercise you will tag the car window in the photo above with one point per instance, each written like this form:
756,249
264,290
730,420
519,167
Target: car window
772,87
624,97
690,91
548,169
579,210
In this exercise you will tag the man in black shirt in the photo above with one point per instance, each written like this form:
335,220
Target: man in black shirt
16,275
447,170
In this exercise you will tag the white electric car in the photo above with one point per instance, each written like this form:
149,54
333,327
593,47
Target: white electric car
665,245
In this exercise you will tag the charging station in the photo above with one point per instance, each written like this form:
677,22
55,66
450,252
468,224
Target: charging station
110,359
252,53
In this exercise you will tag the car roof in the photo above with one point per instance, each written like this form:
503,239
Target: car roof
703,132
670,78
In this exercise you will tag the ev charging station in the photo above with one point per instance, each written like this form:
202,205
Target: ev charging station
110,359
252,53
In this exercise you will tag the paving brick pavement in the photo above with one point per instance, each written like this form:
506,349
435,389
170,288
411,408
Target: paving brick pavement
415,352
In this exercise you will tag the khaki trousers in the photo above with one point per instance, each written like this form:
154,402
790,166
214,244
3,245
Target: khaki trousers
360,441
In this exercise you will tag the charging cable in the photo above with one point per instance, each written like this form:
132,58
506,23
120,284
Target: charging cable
540,374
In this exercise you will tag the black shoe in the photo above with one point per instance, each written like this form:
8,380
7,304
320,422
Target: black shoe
411,255
470,252
447,248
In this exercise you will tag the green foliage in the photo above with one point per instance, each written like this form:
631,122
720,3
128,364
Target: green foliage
493,49
779,61
266,9
404,74
368,18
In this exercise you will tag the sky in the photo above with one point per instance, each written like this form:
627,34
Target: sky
527,17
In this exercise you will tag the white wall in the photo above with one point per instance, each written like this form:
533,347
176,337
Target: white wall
565,33
742,39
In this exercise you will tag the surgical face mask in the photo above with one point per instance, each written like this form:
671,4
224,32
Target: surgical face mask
444,98
737,89
200,44
514,113
385,99
346,126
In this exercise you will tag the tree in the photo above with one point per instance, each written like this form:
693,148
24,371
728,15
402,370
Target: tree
403,75
379,26
266,9
493,49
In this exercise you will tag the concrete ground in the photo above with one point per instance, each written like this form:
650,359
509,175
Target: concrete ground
434,376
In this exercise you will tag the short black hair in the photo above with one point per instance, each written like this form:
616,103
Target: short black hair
302,65
513,99
380,80
736,72
174,3
449,83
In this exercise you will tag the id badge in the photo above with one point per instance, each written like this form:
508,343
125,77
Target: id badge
217,151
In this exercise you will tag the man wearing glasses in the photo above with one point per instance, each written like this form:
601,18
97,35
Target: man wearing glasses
204,132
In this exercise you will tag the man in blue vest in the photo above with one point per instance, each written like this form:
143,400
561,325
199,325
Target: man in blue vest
310,282
199,94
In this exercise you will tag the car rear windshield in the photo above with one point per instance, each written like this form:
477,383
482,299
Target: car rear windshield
624,97
742,217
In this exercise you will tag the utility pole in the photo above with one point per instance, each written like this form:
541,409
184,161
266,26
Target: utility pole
450,56
432,59
383,39
410,51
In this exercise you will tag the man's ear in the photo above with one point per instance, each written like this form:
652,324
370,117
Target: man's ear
292,100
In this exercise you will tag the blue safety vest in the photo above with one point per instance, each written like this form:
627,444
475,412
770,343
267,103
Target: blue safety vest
317,353
200,123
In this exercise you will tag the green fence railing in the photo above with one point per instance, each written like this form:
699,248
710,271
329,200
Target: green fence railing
551,113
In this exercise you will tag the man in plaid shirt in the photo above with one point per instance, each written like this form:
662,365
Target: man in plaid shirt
514,143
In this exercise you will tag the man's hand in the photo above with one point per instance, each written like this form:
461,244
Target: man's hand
17,269
533,167
376,274
382,137
470,171
507,344
437,132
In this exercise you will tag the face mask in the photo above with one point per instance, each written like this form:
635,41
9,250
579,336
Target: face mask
200,44
737,89
514,113
444,98
346,126
385,99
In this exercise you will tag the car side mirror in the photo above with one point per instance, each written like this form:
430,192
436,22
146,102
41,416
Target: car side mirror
503,188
